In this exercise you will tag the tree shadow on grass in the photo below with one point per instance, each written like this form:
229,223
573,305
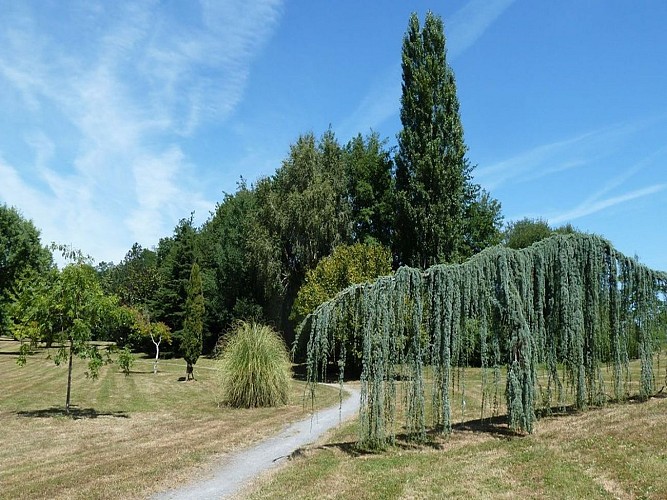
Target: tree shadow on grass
493,426
402,442
350,448
329,376
139,372
639,399
496,427
74,412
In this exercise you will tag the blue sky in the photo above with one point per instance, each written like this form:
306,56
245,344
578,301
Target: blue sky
119,118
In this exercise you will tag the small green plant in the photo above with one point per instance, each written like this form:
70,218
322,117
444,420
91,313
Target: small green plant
254,367
125,360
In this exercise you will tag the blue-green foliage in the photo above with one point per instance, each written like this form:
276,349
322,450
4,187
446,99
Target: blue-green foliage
565,305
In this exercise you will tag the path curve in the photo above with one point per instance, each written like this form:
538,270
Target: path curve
238,468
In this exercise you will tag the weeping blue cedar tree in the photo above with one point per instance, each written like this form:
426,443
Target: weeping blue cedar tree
564,306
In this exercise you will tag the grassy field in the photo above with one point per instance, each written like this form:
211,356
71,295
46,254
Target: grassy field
617,451
129,436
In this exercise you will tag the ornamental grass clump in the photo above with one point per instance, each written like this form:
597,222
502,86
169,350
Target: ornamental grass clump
255,367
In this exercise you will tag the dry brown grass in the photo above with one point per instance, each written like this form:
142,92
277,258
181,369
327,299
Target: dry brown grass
617,451
128,437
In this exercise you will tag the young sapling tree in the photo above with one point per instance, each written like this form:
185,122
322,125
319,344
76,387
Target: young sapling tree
64,309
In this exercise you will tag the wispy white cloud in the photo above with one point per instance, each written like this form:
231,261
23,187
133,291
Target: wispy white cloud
107,93
14,187
469,23
530,164
156,195
558,156
584,152
592,206
600,200
624,176
380,103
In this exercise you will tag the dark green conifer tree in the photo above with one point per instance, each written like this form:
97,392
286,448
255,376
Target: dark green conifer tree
193,323
175,256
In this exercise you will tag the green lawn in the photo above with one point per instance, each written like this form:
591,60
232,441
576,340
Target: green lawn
129,435
618,451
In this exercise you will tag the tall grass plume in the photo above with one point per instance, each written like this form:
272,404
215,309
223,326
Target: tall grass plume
255,367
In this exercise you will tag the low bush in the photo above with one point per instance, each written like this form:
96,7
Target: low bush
125,360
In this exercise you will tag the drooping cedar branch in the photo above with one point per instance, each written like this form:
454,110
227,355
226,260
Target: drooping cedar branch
568,304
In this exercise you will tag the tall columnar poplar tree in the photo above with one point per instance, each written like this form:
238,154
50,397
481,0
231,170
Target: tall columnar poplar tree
193,323
434,191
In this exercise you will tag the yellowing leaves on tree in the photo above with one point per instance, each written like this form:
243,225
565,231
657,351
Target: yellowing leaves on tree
347,265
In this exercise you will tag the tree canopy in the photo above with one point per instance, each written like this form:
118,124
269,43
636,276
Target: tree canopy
347,265
370,179
135,279
21,255
175,257
234,290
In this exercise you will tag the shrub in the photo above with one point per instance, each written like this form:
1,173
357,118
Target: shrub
125,360
254,367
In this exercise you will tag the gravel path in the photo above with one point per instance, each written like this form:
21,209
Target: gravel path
238,469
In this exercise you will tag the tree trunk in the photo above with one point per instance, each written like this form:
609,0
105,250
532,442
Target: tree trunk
69,375
157,353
